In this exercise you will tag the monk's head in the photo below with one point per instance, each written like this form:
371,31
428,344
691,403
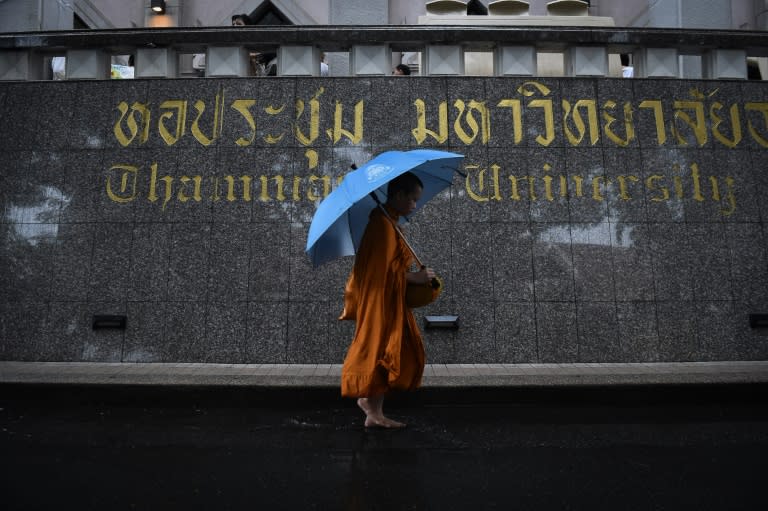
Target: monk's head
404,192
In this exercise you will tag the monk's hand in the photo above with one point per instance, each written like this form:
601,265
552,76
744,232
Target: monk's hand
424,276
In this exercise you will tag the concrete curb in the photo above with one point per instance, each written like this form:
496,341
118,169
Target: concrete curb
435,375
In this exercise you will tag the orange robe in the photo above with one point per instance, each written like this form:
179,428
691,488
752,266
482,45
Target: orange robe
387,351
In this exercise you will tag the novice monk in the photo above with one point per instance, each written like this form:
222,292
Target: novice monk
387,351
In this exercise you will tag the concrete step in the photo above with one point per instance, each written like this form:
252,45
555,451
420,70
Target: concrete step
435,375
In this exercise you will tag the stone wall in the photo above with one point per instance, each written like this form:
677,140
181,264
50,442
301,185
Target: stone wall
600,219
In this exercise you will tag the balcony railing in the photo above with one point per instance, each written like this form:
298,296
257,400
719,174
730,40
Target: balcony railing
514,49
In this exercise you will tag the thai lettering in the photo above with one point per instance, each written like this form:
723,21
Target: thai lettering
273,110
658,117
756,135
337,132
517,117
243,107
467,113
547,110
314,119
581,128
134,128
697,123
178,109
629,128
689,121
420,132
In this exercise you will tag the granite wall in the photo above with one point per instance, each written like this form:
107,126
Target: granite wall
600,220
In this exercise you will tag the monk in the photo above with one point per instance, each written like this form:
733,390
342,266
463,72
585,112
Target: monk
387,352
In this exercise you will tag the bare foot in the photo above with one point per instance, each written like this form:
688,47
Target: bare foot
365,406
394,423
374,418
379,421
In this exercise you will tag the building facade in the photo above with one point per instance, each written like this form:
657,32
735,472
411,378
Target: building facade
598,219
21,15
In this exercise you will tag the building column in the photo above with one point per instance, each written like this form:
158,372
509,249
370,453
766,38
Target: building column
354,12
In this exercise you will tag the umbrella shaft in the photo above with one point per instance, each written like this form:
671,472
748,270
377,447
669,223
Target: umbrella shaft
402,236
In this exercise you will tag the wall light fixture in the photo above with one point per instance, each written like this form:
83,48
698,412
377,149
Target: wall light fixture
157,6
758,320
447,321
101,321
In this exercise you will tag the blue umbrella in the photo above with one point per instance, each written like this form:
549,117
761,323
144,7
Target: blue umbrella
340,220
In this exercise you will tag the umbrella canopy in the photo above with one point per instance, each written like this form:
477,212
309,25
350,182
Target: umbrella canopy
340,220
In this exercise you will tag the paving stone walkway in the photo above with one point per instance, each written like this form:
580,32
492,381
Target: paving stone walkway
435,375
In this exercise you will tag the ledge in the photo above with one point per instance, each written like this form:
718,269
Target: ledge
435,375
341,38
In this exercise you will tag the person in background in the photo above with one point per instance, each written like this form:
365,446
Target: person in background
401,70
241,20
324,70
627,71
238,20
476,8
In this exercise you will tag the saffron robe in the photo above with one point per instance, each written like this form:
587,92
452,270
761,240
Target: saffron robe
387,351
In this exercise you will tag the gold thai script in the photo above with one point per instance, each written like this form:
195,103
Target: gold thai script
700,119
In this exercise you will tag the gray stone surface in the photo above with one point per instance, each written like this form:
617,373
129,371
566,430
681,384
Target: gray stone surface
592,262
556,331
26,258
110,263
55,111
515,338
610,249
474,339
637,331
598,333
710,264
307,335
632,258
150,252
268,277
184,333
672,265
266,335
747,250
23,325
69,335
144,341
552,262
189,267
19,106
391,111
225,331
677,331
229,262
473,258
513,272
71,268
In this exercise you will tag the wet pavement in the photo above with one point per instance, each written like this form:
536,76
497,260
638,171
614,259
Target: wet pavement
215,448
